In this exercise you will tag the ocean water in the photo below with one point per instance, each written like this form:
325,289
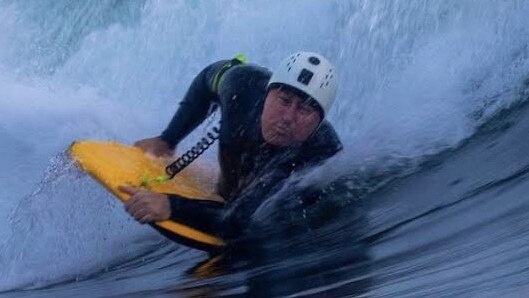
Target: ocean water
428,198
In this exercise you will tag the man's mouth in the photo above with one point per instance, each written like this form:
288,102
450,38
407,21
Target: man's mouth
281,130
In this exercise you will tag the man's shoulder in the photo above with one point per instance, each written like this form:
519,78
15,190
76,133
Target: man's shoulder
247,75
251,68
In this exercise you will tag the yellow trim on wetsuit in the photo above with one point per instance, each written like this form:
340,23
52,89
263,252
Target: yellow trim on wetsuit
217,80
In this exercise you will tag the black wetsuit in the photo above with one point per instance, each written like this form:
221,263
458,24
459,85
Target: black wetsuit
250,169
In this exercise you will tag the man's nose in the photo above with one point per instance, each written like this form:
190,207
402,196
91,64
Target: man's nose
289,114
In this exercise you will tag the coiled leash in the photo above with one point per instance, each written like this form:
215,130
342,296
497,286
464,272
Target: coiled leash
192,154
187,158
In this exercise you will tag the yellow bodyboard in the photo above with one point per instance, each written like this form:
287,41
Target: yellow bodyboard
114,164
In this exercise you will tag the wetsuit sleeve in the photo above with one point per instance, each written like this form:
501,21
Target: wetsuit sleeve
194,106
204,215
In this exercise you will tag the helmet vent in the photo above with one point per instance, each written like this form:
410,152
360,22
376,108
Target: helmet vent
289,66
314,60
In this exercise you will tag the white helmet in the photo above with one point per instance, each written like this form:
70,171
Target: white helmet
310,73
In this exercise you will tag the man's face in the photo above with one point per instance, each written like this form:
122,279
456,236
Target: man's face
287,119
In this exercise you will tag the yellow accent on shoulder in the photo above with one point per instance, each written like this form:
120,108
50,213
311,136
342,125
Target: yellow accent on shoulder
242,58
217,80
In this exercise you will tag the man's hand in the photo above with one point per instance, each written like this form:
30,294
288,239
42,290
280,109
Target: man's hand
155,146
146,206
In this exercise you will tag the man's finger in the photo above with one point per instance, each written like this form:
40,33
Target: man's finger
138,143
141,213
128,189
146,219
135,204
131,201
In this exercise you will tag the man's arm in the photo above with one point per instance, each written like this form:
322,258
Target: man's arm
192,111
201,214
194,106
215,218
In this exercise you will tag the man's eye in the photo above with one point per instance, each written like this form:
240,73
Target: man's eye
306,109
285,101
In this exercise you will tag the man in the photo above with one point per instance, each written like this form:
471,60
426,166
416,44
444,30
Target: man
272,125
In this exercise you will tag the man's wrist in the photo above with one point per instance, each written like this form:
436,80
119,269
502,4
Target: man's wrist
171,144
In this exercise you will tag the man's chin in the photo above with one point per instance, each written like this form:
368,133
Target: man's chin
281,141
276,140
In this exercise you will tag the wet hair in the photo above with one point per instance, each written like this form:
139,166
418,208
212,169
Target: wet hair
309,100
